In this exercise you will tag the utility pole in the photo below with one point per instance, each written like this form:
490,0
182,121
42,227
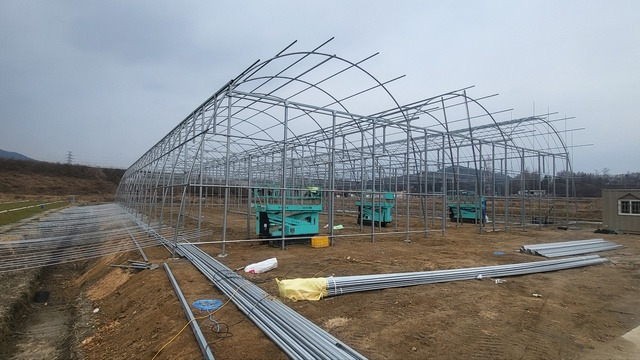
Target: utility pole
69,157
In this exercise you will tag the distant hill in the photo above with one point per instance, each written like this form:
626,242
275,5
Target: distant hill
42,178
13,155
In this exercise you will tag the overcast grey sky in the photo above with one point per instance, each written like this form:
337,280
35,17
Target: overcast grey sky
107,79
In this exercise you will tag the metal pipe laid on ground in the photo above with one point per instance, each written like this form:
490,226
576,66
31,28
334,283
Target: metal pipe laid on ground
568,248
202,342
339,285
298,337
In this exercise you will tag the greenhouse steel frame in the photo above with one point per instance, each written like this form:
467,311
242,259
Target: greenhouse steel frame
306,118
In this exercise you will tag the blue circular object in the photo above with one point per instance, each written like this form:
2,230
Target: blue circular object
207,305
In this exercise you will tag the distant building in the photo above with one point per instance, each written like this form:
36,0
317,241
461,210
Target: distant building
621,210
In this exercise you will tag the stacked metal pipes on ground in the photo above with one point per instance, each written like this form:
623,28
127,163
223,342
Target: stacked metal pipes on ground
137,265
568,248
298,337
349,284
71,234
72,220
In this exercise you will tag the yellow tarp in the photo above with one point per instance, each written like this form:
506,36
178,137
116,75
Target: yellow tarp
303,289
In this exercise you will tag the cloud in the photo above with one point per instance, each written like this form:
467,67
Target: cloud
105,78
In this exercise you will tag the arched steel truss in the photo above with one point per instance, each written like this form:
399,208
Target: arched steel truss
311,117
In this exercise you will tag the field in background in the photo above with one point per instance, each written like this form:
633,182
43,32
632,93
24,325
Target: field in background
24,180
11,212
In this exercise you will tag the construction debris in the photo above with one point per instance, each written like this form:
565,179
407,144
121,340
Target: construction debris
568,248
140,265
262,266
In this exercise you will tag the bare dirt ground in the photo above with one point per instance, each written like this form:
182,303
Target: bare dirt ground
582,314
42,330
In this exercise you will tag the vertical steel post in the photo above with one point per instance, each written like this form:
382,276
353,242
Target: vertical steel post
433,189
164,188
362,181
237,170
523,185
457,197
172,199
553,179
343,175
424,189
373,182
285,126
480,187
332,178
249,194
201,178
395,208
493,186
540,193
444,190
226,176
566,191
506,190
408,186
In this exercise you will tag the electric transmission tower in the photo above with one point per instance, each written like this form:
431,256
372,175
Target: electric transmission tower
69,157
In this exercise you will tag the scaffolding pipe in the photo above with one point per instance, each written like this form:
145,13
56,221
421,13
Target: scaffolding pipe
202,342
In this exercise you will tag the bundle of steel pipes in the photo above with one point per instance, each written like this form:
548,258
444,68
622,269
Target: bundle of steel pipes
298,337
350,284
568,248
69,235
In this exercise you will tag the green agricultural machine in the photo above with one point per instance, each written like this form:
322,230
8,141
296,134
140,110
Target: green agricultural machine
302,209
378,212
467,207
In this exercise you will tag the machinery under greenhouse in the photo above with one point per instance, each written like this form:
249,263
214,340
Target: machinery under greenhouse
378,212
467,207
300,212
342,155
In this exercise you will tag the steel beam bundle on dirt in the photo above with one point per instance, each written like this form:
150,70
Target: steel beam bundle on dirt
298,337
202,342
568,248
349,284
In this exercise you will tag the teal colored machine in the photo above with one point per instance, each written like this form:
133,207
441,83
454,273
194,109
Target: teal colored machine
302,209
467,207
378,212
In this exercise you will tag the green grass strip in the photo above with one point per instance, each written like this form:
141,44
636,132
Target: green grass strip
15,216
19,204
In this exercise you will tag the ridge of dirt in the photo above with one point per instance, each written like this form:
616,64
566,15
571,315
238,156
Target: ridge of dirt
107,284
